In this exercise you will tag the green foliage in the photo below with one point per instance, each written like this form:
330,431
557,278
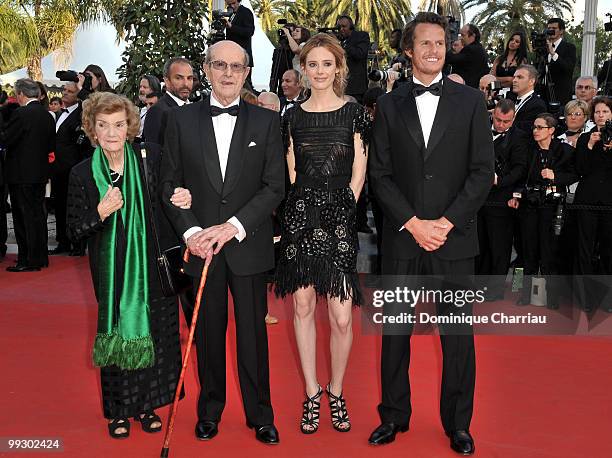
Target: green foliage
156,30
603,44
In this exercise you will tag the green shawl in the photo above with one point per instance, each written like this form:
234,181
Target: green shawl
124,337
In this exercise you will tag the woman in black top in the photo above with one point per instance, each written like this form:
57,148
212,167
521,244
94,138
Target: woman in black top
513,56
327,164
594,165
550,171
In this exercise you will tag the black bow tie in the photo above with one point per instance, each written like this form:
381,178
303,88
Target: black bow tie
570,133
232,111
419,89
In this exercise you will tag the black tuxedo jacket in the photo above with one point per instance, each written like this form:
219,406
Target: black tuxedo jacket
253,187
529,111
450,177
154,125
511,158
242,29
562,72
595,170
29,138
356,47
471,63
67,152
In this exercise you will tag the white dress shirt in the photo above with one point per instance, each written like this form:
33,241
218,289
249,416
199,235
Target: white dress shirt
223,126
178,101
427,105
65,115
143,116
555,56
522,102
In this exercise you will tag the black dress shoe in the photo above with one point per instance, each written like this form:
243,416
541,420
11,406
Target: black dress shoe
385,433
77,252
20,268
461,442
206,430
268,434
60,249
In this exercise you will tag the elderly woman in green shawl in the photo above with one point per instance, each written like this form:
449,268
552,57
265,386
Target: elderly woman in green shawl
137,342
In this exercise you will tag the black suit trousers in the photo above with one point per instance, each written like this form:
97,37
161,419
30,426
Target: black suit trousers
495,232
59,184
30,223
459,361
3,224
250,308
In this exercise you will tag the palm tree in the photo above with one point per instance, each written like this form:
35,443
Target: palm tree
500,18
18,37
48,25
444,8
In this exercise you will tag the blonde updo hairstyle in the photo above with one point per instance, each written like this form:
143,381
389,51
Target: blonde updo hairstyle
109,103
332,44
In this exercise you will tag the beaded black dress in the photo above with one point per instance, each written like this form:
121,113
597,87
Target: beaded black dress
319,242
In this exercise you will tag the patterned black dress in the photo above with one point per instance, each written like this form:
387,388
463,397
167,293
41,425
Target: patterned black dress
319,241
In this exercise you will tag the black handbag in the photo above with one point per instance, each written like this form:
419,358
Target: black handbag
169,262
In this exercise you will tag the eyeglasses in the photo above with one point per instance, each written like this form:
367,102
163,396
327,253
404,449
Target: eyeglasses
576,114
539,128
222,66
586,88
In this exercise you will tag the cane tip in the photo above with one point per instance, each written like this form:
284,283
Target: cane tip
164,452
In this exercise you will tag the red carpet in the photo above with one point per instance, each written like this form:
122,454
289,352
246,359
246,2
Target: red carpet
535,396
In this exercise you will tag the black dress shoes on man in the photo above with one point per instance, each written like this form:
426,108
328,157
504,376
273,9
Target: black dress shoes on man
268,434
206,430
385,433
60,249
22,268
461,441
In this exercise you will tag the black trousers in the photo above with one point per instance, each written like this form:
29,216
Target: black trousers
30,223
495,233
459,361
3,224
540,250
59,185
594,229
250,307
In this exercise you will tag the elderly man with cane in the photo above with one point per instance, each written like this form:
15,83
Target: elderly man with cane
230,156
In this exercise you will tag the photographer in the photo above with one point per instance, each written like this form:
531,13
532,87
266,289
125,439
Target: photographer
282,57
528,103
471,62
296,38
604,77
576,114
356,46
550,170
91,80
495,219
240,28
594,165
561,60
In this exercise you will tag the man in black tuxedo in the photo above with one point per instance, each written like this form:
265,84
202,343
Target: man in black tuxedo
229,154
356,46
29,138
561,60
528,104
240,28
178,81
292,90
71,146
471,62
431,168
495,218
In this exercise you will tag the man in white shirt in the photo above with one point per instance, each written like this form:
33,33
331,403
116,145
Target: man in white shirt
561,60
229,154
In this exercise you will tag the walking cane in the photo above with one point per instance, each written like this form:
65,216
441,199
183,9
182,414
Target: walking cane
166,448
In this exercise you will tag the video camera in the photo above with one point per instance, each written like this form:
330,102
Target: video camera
335,31
72,76
538,41
217,26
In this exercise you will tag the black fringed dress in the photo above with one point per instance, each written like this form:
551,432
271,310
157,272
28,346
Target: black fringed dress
319,241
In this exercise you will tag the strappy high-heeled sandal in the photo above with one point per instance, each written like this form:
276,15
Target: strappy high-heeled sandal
116,424
146,419
339,414
310,414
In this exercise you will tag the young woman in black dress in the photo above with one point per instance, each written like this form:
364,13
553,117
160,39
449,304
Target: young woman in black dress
327,164
513,56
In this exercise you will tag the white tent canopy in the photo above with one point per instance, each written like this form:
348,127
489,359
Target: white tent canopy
96,44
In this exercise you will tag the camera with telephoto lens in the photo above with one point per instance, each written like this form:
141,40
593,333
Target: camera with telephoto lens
217,26
377,75
538,41
72,76
493,96
606,132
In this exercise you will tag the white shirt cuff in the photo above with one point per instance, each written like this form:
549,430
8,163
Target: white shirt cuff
241,235
189,232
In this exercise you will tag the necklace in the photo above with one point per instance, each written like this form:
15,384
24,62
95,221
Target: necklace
115,176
